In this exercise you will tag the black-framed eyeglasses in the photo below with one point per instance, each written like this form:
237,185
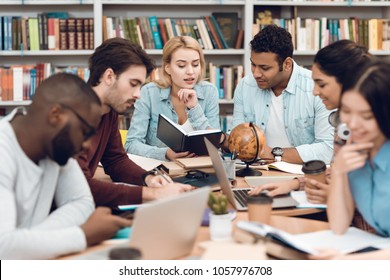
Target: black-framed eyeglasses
91,130
196,174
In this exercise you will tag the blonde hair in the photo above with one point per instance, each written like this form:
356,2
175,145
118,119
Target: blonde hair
170,47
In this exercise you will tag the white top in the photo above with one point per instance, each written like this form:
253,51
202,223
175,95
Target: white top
187,126
275,133
27,228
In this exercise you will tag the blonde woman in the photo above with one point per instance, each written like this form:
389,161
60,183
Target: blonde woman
180,94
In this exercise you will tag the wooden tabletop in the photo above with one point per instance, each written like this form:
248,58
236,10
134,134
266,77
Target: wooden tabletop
242,184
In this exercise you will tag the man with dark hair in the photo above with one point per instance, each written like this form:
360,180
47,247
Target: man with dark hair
277,96
118,69
36,171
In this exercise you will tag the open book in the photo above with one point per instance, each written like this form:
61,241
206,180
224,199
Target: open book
286,167
176,138
283,245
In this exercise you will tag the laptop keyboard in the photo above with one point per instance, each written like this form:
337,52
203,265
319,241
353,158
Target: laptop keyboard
241,196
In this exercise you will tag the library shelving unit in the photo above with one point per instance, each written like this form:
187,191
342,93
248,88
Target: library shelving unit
184,9
363,9
124,8
31,8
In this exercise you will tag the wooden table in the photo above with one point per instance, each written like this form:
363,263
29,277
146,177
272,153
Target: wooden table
242,184
281,219
291,225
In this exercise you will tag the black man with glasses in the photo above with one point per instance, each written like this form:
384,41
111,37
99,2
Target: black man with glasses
37,172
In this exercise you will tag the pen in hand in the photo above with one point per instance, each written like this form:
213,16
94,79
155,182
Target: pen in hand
162,174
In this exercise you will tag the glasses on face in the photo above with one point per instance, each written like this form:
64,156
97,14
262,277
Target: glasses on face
91,130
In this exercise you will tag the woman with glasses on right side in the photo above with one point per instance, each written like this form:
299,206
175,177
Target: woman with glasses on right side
361,168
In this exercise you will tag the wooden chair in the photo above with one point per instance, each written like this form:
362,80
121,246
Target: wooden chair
123,133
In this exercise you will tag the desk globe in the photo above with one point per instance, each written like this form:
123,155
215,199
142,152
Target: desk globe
247,140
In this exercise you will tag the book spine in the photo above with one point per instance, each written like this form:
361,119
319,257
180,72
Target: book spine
80,31
210,34
45,32
91,34
156,34
213,33
63,34
198,37
219,32
71,34
50,34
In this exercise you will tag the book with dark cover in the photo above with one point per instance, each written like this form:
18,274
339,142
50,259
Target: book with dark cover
228,23
178,140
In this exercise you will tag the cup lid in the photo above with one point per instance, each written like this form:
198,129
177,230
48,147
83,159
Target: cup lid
125,253
261,198
313,167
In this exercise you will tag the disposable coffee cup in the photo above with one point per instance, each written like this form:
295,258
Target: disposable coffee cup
259,208
314,169
125,253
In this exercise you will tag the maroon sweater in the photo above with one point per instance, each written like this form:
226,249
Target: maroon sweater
106,147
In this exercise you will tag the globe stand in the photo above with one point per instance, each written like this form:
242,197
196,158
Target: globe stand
247,171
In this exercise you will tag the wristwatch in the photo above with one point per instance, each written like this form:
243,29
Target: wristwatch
278,153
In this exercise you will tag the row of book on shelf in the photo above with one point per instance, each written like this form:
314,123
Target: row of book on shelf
46,31
18,82
313,34
225,78
216,31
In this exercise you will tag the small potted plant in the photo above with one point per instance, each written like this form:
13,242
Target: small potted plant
220,218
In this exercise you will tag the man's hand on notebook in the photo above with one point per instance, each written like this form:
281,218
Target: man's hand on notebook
159,180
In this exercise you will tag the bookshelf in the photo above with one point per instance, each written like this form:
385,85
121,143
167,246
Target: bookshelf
315,9
245,9
123,8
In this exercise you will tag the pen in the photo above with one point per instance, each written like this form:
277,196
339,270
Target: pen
234,155
159,172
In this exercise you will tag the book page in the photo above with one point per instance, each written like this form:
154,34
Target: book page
203,131
301,197
195,162
276,234
354,239
145,162
178,127
286,167
254,181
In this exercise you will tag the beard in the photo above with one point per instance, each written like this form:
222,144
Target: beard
62,146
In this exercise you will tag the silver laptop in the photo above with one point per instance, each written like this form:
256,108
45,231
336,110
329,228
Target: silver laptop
164,229
237,196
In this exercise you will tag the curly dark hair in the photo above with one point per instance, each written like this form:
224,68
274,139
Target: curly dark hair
118,54
275,40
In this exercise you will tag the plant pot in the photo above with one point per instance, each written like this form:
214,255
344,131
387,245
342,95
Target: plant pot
220,227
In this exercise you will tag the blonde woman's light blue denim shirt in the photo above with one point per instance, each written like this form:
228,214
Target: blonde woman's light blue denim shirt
305,116
142,135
